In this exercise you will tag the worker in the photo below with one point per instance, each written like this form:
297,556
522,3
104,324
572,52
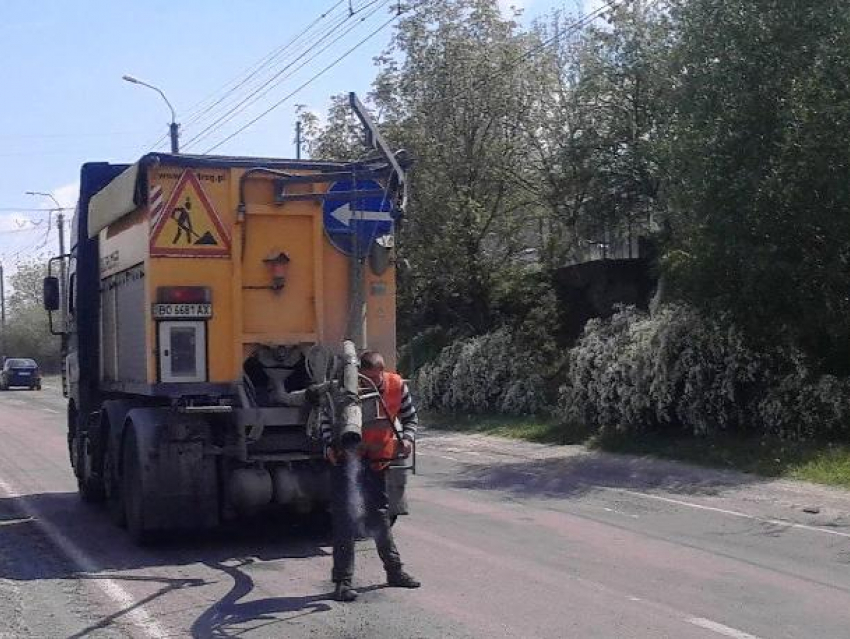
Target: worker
360,476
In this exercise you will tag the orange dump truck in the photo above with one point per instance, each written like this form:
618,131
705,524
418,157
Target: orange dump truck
205,297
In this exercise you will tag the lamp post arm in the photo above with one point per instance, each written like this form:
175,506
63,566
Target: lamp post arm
158,90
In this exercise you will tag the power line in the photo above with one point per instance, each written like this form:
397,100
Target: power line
279,77
21,230
234,106
578,24
582,22
575,26
263,63
98,134
312,79
196,111
46,232
14,252
514,64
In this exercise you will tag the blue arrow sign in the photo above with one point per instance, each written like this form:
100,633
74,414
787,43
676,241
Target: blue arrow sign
357,221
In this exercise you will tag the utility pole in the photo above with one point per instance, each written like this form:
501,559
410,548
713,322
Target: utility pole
173,131
298,140
60,225
2,315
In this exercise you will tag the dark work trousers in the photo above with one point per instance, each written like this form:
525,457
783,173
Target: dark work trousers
350,510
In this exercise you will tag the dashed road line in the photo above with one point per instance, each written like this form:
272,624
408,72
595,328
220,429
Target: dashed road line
551,576
454,459
719,628
617,512
731,513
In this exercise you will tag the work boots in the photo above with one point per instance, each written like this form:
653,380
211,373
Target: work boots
344,591
401,579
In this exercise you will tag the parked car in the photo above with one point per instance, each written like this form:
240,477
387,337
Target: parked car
19,371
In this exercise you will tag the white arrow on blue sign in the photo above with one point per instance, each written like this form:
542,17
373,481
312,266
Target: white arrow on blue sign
364,218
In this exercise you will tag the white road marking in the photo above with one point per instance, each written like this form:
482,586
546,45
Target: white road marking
719,628
136,614
731,513
454,459
50,410
12,522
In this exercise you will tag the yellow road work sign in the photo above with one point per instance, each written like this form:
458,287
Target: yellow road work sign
188,225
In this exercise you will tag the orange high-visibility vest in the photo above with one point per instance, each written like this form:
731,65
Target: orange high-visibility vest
380,442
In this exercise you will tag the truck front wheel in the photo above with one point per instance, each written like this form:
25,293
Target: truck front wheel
89,481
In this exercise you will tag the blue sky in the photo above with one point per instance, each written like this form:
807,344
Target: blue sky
64,102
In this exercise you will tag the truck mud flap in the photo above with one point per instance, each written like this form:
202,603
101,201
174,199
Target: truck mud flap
181,489
176,483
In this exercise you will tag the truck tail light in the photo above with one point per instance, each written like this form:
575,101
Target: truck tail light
183,295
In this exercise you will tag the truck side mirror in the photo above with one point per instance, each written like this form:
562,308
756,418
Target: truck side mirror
51,293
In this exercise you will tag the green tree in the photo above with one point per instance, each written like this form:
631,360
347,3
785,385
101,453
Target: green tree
758,153
27,332
451,92
594,127
340,139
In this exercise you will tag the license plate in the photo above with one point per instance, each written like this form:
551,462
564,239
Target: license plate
181,311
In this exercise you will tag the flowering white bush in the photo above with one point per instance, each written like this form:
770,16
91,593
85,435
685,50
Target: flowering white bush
679,369
482,374
675,369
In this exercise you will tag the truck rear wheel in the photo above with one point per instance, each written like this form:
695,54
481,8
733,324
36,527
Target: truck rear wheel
113,490
132,492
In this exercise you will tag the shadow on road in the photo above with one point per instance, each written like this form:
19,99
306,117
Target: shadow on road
584,472
26,554
229,618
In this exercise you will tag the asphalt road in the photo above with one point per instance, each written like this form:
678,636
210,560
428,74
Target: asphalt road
510,540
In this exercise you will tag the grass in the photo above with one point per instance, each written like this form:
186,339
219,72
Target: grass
819,462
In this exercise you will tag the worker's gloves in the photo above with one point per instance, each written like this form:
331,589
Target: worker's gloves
334,455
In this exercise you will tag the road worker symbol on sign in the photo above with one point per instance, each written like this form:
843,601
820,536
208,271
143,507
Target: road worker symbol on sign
188,225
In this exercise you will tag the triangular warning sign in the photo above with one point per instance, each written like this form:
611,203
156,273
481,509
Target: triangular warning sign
188,225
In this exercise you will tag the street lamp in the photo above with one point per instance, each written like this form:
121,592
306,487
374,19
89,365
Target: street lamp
50,195
60,226
173,127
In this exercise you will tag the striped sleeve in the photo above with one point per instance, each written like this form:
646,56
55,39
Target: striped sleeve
326,425
407,414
